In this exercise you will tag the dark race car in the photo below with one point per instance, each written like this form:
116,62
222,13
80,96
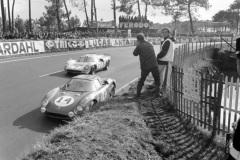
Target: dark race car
77,96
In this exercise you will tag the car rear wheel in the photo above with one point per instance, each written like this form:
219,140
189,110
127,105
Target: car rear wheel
91,105
112,92
93,70
107,65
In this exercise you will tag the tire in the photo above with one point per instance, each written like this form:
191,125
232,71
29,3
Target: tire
112,92
91,105
93,70
107,65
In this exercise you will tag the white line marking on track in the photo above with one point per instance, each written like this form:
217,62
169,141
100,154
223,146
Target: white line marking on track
69,52
126,85
49,74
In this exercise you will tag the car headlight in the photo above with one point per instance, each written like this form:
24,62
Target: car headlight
71,114
44,103
43,109
86,67
78,109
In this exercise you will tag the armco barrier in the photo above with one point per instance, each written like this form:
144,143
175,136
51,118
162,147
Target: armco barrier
20,48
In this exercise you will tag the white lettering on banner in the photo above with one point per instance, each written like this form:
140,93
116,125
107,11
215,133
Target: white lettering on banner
86,44
49,44
58,44
99,42
76,44
133,25
10,48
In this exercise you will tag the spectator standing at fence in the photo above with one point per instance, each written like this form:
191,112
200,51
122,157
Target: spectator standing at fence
148,63
165,56
238,54
234,152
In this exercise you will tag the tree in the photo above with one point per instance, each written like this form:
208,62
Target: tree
19,24
226,16
69,26
175,10
54,15
189,6
236,7
82,6
114,14
3,16
127,6
147,3
9,17
13,15
75,21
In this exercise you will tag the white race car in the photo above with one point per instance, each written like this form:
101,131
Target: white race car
88,64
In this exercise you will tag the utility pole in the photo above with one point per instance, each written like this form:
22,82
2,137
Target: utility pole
114,15
3,15
95,12
30,19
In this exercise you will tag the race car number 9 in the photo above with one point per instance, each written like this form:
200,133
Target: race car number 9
64,101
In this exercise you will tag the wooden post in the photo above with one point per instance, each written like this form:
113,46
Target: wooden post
221,41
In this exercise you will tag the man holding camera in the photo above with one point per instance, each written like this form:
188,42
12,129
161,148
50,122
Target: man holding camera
148,63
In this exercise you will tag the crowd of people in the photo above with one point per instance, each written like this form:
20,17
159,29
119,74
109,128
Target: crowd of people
69,35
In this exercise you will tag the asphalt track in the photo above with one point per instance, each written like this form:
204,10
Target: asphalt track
25,80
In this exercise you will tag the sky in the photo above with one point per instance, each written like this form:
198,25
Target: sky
105,12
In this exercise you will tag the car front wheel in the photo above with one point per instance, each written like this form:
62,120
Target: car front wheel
112,92
93,70
91,105
107,65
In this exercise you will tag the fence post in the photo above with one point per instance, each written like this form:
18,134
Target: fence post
217,103
221,42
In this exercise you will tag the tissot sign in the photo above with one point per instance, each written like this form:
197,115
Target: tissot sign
133,25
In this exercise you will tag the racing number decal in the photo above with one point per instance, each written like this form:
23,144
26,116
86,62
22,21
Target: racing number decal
64,101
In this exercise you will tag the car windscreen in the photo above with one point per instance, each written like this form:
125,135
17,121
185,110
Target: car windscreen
86,59
79,85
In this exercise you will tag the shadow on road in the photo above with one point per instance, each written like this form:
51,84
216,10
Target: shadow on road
37,122
62,74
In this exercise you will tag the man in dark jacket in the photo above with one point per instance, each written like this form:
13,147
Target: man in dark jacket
238,54
148,62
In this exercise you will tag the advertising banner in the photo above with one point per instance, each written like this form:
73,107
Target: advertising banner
23,47
76,44
123,42
54,45
103,42
134,25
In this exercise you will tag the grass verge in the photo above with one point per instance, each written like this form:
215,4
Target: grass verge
115,130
